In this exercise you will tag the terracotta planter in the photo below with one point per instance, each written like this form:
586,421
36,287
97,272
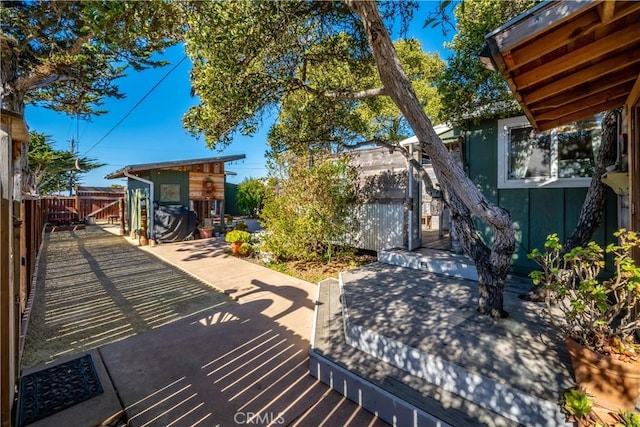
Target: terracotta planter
235,248
205,233
614,384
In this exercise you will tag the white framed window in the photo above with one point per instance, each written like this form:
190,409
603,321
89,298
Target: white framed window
561,157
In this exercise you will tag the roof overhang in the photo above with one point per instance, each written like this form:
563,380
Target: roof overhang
132,169
566,60
444,131
19,130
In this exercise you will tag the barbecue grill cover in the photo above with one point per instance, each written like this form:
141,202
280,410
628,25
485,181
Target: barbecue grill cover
173,224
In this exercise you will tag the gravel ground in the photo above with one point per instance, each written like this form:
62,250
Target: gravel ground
94,288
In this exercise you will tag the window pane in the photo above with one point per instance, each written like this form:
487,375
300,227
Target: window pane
529,153
578,145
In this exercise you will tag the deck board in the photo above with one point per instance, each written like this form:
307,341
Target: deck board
330,343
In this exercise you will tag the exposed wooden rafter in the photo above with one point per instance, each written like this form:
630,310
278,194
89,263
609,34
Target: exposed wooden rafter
564,60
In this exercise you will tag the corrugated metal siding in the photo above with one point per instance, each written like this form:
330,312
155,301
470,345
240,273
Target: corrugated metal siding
380,226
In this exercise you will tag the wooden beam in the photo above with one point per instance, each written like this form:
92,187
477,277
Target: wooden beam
633,131
551,40
592,109
634,94
606,67
623,78
606,9
543,18
619,94
622,39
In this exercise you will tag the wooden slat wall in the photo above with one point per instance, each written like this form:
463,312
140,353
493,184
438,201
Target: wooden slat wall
21,227
8,353
66,209
7,375
93,201
198,190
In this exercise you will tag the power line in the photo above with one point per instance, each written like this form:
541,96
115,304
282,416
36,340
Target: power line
136,106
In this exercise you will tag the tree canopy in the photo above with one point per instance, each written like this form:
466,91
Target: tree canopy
55,170
67,55
309,123
468,89
249,56
310,58
250,196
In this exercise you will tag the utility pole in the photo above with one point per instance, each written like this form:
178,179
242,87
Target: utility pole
73,152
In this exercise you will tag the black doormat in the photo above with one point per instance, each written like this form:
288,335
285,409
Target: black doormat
51,390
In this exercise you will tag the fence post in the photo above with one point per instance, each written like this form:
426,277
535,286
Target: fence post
77,204
121,215
143,223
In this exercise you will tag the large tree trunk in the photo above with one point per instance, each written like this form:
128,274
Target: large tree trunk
13,100
10,92
594,203
462,197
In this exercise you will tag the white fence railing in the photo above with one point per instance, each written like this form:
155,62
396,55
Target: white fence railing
380,226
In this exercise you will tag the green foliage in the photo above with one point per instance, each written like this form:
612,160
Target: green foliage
311,123
250,196
596,313
237,236
468,89
251,56
576,404
241,225
307,215
55,170
627,419
67,55
246,249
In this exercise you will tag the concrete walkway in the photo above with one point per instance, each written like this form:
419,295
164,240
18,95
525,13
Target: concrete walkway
243,363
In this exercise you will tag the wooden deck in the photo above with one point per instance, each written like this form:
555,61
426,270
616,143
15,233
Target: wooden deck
416,336
433,239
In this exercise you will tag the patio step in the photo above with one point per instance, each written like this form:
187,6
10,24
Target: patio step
431,260
426,326
391,393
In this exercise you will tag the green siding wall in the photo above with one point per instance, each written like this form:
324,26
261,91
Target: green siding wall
160,177
231,199
536,212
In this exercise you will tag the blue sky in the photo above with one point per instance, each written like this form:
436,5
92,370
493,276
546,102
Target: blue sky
153,132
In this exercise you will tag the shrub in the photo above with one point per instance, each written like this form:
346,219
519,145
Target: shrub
596,313
237,236
310,213
246,249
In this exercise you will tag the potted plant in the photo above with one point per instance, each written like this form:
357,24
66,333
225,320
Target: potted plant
237,238
208,182
597,316
241,225
579,408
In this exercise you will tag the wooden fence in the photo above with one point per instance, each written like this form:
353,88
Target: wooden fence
101,203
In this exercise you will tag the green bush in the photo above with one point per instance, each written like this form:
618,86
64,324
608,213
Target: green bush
309,216
597,313
237,236
246,249
241,225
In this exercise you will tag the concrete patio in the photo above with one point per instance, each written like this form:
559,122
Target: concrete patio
195,358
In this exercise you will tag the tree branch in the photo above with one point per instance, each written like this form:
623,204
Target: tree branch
334,95
34,83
